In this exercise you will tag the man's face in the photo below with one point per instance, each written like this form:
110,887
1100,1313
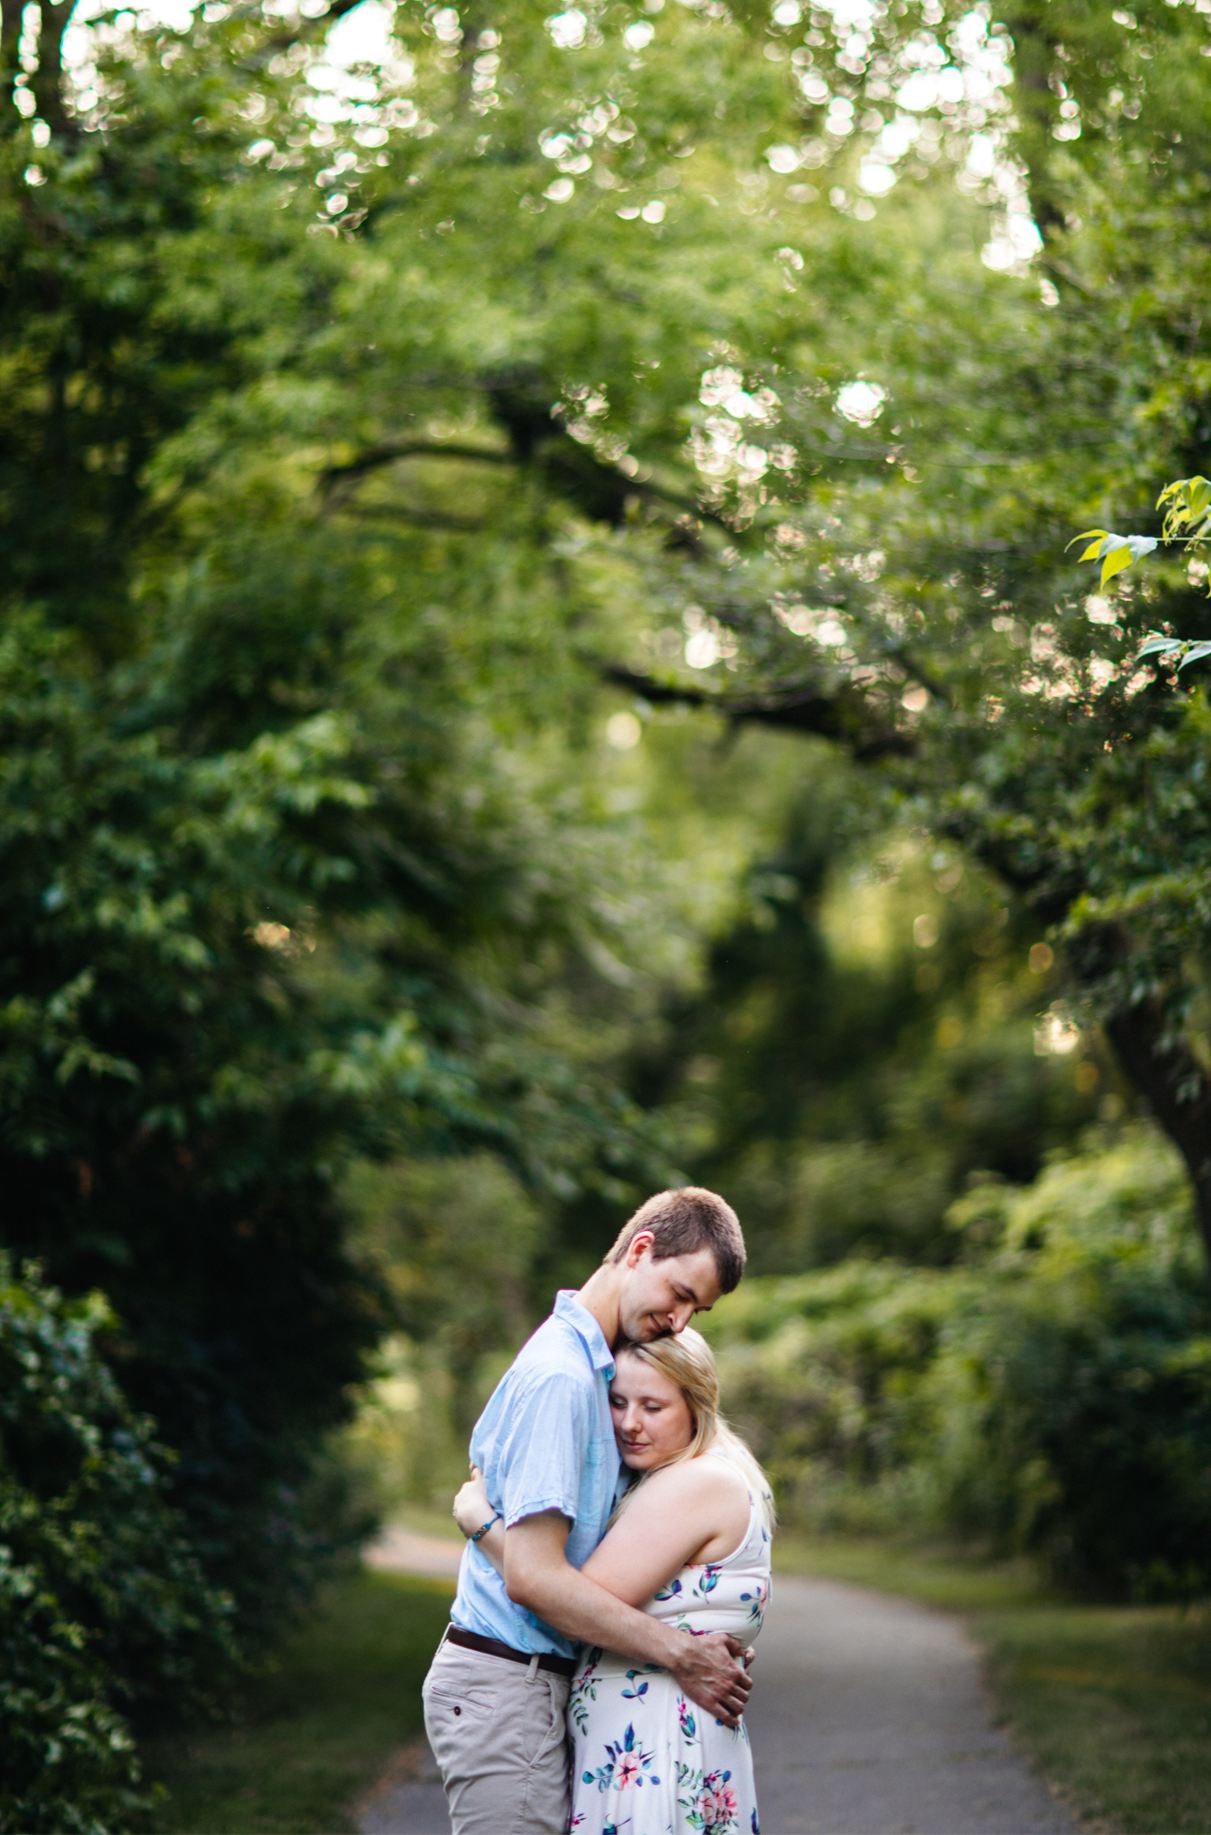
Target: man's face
661,1297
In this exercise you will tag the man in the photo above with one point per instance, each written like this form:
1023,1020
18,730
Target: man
496,1692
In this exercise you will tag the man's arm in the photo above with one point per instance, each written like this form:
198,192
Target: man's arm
539,1576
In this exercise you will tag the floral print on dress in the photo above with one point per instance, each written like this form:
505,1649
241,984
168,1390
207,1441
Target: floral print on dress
627,1766
647,1761
584,1690
707,1801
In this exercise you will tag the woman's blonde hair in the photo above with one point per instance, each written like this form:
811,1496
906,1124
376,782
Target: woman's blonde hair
688,1361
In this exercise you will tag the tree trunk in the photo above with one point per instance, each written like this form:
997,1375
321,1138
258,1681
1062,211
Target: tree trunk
1177,1090
1036,106
10,39
48,78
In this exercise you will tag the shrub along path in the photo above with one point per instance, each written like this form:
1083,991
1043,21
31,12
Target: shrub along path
867,1718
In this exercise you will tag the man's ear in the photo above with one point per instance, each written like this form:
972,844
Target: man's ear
640,1244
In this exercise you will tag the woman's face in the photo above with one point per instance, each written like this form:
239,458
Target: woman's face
652,1419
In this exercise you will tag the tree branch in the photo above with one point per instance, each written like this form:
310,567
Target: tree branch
292,32
375,457
596,486
845,716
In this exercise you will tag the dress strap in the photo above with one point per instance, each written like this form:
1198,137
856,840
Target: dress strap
754,1539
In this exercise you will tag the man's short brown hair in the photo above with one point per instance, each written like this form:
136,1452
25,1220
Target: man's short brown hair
685,1221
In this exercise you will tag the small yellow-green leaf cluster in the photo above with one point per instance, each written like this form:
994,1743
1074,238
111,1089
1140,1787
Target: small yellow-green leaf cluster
1116,552
1188,516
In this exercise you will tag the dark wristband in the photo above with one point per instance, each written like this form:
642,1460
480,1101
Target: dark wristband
488,1525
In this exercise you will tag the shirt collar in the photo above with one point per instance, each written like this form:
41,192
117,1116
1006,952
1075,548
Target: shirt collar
582,1322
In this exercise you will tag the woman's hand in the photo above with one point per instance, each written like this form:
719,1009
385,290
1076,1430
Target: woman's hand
471,1511
471,1506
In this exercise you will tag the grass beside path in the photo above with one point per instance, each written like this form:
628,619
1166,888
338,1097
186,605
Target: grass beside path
316,1730
1113,1703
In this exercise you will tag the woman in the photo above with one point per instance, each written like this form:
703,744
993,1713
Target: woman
689,1542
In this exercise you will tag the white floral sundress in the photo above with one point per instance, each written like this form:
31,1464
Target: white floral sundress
647,1761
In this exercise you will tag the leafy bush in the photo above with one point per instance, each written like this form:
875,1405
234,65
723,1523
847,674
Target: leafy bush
103,1611
823,1373
1051,1394
1072,1391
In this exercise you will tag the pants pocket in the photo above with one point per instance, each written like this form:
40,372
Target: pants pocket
474,1703
452,1721
553,1732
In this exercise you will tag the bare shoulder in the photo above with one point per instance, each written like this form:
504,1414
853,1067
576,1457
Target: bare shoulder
697,1481
695,1511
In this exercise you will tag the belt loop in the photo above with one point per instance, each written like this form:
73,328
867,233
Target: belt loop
533,1667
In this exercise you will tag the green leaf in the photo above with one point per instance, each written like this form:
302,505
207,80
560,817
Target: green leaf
1116,562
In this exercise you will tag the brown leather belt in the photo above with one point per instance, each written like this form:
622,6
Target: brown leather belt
492,1647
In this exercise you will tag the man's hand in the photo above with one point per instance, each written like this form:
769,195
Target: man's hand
712,1672
538,1577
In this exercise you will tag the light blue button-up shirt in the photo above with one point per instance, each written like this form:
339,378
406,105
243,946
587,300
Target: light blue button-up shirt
544,1442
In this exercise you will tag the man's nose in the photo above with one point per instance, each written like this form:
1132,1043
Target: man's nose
680,1317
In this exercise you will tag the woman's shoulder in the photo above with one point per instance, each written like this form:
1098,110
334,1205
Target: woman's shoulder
694,1479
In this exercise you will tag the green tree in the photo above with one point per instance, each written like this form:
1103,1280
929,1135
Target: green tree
906,590
371,434
292,861
866,1039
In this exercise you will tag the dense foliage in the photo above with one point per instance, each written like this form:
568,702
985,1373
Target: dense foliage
103,1608
908,589
401,438
867,1037
1051,1394
290,859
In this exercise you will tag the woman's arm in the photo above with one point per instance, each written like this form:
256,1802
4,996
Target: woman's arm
472,1510
693,1511
688,1512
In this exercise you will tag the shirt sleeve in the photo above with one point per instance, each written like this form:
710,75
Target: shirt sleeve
542,1449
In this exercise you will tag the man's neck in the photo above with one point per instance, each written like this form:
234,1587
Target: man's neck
601,1295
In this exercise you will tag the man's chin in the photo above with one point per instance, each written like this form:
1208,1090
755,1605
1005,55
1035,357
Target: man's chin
648,1330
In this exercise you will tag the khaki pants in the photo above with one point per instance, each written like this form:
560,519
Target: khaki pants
497,1732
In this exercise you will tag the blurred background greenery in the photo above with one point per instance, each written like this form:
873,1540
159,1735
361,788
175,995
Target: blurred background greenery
540,660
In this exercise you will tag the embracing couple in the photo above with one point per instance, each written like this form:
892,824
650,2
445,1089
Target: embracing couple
594,1673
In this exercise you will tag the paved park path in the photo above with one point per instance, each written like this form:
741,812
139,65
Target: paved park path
867,1718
